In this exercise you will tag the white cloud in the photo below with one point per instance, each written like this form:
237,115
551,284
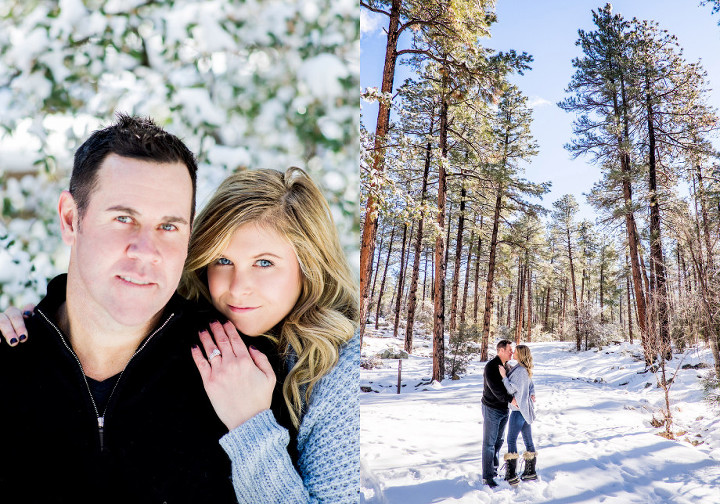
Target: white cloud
537,102
370,22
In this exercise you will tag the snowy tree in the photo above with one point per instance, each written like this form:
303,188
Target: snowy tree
246,84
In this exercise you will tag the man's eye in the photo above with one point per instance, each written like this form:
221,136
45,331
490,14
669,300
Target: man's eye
264,263
124,219
222,261
168,227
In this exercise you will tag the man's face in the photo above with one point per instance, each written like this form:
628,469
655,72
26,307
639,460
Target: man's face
129,248
505,354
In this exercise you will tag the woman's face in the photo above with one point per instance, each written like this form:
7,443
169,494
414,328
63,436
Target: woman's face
256,280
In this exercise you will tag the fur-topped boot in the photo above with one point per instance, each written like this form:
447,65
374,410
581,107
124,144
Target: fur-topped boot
511,476
529,472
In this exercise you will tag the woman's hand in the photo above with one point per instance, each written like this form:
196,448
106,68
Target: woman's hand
503,373
12,325
238,381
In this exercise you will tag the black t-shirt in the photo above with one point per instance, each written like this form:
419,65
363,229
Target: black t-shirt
101,391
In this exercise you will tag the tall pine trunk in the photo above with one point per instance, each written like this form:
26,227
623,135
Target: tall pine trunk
711,295
463,307
529,304
629,301
574,292
476,295
656,253
376,268
458,258
440,261
401,279
369,234
491,275
622,115
602,283
412,297
384,277
520,304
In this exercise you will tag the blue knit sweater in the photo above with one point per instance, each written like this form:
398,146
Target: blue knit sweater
519,384
328,445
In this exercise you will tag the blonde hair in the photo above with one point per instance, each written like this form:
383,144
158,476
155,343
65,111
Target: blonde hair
326,313
524,358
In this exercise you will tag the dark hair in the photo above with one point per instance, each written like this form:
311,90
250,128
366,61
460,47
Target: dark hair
132,137
503,343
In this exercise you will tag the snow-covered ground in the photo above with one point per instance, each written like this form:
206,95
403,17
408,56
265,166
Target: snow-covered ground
593,434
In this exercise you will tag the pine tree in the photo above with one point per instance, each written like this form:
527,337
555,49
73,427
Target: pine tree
512,143
564,221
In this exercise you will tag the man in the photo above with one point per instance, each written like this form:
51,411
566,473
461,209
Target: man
103,403
495,411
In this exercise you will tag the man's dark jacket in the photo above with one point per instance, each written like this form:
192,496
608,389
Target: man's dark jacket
495,395
160,434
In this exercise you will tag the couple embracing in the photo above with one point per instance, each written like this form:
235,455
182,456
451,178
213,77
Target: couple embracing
508,393
240,387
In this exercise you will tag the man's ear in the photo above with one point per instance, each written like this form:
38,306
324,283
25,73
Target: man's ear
69,217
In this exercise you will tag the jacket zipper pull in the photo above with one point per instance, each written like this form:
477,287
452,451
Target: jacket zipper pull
101,425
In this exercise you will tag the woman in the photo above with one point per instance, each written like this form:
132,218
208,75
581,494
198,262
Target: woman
518,382
266,254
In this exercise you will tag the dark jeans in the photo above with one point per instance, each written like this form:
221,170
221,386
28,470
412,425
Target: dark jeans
516,426
494,422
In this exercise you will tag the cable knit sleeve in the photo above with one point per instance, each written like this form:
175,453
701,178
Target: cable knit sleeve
328,445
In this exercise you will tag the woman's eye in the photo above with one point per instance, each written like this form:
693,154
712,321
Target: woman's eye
263,263
124,219
223,262
168,227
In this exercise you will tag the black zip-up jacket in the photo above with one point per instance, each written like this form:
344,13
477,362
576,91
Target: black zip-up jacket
159,437
495,395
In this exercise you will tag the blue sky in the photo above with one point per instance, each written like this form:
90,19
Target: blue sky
547,29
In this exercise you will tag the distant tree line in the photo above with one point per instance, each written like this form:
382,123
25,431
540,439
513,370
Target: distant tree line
452,240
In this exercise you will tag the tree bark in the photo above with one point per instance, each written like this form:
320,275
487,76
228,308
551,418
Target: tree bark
528,339
412,297
384,277
574,292
547,308
602,281
458,258
476,296
440,265
630,225
629,301
520,303
425,277
463,307
376,269
447,226
656,252
401,279
711,294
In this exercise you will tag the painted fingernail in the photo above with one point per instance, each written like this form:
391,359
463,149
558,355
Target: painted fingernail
194,347
23,337
253,347
27,313
13,341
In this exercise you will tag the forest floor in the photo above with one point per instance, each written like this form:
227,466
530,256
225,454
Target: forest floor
593,430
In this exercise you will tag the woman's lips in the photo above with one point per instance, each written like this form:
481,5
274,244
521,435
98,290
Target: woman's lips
242,309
